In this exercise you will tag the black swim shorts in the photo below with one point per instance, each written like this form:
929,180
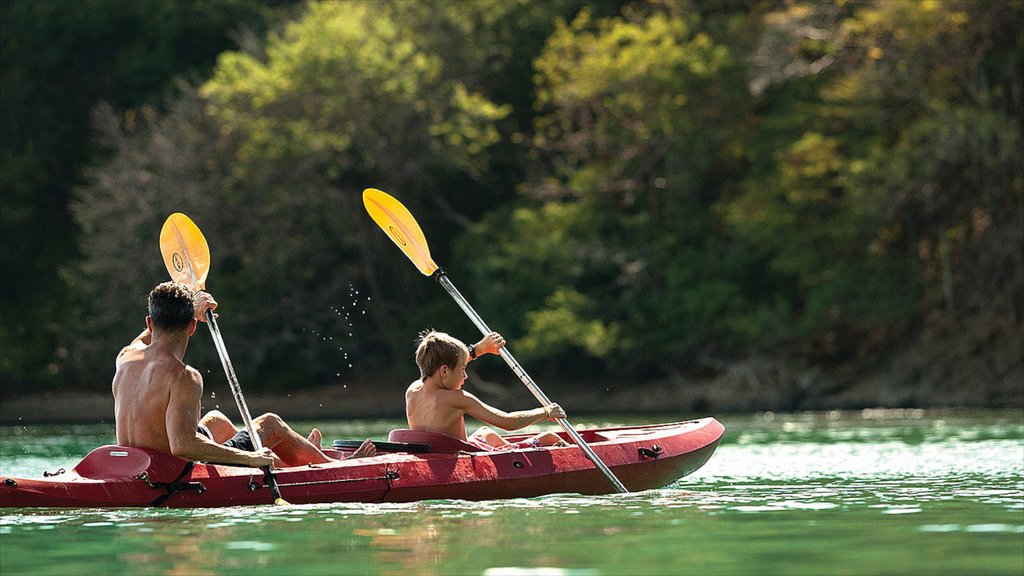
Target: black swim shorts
240,440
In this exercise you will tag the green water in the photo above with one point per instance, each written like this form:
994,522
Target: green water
877,492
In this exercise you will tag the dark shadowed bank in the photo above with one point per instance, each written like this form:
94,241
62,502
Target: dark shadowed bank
940,369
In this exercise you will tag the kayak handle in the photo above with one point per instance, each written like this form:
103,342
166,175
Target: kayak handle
652,452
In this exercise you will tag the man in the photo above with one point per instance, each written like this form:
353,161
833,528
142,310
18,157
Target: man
157,396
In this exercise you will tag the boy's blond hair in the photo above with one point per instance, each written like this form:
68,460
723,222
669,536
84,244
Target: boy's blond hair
435,349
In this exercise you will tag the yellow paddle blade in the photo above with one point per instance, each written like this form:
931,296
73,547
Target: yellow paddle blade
397,222
185,251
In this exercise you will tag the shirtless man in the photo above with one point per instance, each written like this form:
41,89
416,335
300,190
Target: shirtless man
437,402
157,396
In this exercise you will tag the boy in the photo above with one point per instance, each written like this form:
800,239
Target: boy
437,402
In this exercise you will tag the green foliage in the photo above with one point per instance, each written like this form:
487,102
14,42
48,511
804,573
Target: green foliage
57,61
622,188
344,88
271,155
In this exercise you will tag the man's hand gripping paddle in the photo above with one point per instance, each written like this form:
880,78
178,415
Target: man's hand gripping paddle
187,257
398,223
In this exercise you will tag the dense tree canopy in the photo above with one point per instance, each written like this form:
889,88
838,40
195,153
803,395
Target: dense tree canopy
58,61
645,188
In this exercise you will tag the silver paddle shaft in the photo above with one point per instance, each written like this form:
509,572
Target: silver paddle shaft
530,384
222,350
236,388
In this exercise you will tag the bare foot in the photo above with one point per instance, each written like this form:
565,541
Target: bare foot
365,450
315,437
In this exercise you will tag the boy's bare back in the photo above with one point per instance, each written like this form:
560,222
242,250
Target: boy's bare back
429,407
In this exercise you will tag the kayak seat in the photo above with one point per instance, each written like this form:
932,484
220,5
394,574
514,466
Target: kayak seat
439,442
112,461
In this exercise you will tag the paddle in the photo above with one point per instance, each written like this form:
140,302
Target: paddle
398,223
187,257
412,448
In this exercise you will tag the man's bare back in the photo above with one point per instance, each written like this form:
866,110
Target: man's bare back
157,396
142,387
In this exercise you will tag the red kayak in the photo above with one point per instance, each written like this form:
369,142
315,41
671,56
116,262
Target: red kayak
412,466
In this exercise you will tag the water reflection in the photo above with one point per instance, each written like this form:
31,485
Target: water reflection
408,550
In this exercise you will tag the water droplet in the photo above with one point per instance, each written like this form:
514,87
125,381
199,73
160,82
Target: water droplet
344,385
213,394
349,365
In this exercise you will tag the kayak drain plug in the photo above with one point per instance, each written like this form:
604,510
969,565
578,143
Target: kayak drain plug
10,482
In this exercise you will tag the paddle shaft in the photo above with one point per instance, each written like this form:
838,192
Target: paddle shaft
185,262
236,390
442,278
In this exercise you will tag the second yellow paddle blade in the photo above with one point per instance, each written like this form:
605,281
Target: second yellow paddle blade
185,251
397,222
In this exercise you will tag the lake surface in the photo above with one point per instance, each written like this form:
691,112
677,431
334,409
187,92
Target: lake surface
872,492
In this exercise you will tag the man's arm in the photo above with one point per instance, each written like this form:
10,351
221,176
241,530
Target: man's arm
507,420
182,420
140,342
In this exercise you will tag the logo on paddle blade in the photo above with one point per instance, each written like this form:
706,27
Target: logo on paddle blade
178,263
397,235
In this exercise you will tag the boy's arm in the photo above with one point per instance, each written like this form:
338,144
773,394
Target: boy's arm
506,420
489,344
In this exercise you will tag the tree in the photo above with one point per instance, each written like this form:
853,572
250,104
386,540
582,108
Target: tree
58,60
623,190
270,158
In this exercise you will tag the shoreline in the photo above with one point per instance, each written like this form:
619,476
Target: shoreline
748,393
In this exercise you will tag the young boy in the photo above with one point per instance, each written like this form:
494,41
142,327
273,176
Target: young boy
437,402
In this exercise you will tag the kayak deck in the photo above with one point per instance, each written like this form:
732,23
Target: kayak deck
642,457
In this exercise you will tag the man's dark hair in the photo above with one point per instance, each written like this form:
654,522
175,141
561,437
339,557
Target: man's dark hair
172,306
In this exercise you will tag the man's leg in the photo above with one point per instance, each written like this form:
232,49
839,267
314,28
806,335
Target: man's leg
290,447
219,425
